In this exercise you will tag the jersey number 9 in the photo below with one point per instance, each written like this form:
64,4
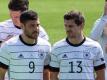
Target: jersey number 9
32,66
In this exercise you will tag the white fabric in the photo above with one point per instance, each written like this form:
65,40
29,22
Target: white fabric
76,63
25,62
7,29
99,33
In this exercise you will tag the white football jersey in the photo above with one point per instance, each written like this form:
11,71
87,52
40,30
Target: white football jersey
24,61
8,29
76,62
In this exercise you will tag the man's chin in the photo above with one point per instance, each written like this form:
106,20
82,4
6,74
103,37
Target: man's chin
72,37
31,37
34,37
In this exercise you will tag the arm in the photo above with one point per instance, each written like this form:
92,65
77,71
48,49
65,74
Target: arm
2,73
43,34
4,61
54,75
46,74
98,28
54,65
99,25
100,74
99,63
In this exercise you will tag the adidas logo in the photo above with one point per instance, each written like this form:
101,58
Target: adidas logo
64,56
20,56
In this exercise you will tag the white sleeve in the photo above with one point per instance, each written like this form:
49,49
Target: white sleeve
99,58
54,60
1,31
98,28
47,59
4,55
43,34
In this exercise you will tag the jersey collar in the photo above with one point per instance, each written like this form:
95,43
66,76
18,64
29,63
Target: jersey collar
21,39
75,45
17,27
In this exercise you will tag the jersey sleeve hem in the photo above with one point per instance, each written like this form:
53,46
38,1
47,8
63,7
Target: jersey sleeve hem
53,69
46,67
4,66
96,68
0,41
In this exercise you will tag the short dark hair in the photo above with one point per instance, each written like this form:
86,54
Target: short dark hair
17,5
76,16
28,15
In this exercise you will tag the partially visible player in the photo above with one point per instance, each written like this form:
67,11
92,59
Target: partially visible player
99,32
25,57
76,57
11,27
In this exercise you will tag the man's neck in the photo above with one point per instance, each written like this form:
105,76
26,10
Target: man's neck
76,40
28,40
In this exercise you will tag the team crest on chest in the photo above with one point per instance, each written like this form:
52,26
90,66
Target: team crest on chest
41,54
86,54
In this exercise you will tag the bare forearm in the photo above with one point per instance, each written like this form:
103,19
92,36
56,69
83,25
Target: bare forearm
99,79
2,78
2,73
54,76
46,75
100,74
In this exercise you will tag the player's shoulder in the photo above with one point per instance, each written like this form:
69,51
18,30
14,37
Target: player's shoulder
43,42
92,42
6,23
12,41
60,43
102,18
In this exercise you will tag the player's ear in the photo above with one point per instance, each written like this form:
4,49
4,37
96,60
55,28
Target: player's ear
38,20
82,26
22,25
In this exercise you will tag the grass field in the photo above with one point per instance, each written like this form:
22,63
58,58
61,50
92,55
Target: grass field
51,14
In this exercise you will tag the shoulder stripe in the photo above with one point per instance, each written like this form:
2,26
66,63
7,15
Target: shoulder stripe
103,66
53,69
4,66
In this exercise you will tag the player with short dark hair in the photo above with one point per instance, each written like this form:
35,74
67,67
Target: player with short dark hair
26,56
18,5
76,57
11,27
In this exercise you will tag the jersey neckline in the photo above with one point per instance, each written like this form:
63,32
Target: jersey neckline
18,27
21,39
75,45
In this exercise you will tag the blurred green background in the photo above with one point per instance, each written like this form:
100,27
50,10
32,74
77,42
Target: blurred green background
51,14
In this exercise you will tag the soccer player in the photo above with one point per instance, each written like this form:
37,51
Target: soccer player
99,33
26,56
76,57
11,27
